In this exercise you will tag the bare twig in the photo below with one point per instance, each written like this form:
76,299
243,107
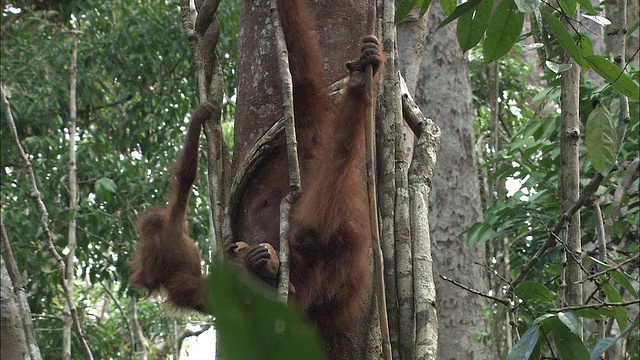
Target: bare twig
633,171
504,302
44,222
613,268
594,306
124,316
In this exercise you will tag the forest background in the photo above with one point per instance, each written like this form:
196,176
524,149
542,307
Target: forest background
496,193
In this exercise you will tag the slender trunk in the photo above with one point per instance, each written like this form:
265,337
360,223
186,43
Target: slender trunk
570,178
619,36
500,247
73,197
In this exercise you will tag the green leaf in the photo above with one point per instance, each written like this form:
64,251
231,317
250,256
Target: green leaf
601,140
601,346
596,314
623,281
586,6
104,187
527,6
503,30
424,7
569,7
568,344
523,349
480,232
571,321
557,68
253,325
619,312
461,9
532,290
404,9
614,76
472,25
605,344
448,6
586,47
564,38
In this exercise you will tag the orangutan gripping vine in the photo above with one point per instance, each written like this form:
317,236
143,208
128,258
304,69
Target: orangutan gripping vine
329,233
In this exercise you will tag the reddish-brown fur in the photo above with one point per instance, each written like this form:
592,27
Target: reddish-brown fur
330,233
166,258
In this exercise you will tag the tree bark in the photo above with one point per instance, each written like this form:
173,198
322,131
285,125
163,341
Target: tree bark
21,294
72,243
570,179
14,343
444,94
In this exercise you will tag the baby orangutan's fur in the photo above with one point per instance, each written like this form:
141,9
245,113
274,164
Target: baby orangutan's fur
166,258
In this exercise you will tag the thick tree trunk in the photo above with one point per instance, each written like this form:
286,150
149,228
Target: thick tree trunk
14,343
444,94
339,28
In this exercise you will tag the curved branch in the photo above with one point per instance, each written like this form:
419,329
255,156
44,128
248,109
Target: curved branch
44,223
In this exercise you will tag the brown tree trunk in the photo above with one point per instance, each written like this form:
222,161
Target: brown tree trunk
444,94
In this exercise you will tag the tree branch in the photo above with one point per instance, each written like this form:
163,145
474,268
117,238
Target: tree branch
594,306
44,222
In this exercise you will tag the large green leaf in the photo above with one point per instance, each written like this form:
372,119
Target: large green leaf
527,344
252,324
568,344
586,6
620,312
564,38
104,187
472,24
571,321
460,9
613,75
406,6
569,7
503,30
601,140
448,6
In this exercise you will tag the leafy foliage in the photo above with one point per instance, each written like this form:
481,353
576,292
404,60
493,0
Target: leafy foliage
135,95
529,159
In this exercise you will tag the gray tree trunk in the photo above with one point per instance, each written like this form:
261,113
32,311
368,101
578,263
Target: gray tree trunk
14,343
444,94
